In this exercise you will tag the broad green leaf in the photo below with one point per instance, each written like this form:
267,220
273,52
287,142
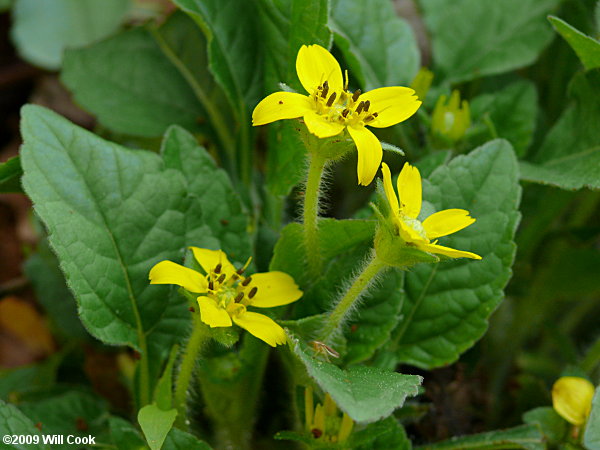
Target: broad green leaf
512,112
379,46
286,26
71,412
156,424
180,440
125,435
387,433
447,305
527,437
14,422
10,175
43,30
553,427
591,438
586,47
475,38
113,213
139,95
366,394
570,155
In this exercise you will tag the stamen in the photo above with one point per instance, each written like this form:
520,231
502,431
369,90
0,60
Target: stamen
239,297
218,268
345,113
325,89
331,99
360,107
356,95
368,119
346,79
221,278
252,292
211,285
247,281
367,104
375,114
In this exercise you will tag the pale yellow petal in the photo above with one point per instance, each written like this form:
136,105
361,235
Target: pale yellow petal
211,314
281,105
572,399
447,251
315,65
389,189
273,289
209,259
410,191
168,272
261,326
446,222
320,126
392,105
369,153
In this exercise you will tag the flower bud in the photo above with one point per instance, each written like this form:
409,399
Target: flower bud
451,120
572,399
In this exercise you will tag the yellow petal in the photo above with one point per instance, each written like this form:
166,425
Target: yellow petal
446,222
410,191
447,251
316,65
281,105
320,126
168,272
211,314
572,399
209,259
261,326
369,153
273,289
389,189
392,105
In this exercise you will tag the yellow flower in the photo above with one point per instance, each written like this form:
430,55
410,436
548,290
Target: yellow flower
405,214
324,421
451,120
329,107
572,399
226,293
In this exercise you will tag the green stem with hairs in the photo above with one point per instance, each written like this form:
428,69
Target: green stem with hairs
311,212
197,339
344,307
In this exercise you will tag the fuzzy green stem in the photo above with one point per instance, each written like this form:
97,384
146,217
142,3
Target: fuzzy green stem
311,211
345,305
194,344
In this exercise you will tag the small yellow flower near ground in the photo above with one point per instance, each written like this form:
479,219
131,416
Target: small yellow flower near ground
226,293
451,120
329,107
323,422
572,399
407,209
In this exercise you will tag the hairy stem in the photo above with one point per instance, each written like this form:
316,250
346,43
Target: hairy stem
311,210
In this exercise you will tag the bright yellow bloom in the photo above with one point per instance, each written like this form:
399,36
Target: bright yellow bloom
324,421
451,120
405,214
572,399
329,107
226,293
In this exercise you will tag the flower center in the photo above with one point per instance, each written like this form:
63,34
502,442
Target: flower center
232,293
414,224
342,107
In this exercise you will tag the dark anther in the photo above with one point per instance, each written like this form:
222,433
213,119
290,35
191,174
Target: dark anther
368,119
247,281
252,292
239,297
375,114
331,99
218,268
316,433
360,107
221,278
211,285
345,113
280,102
240,270
356,95
191,309
367,104
325,89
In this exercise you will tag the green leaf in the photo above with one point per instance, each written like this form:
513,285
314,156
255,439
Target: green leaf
22,379
113,213
525,436
591,438
72,412
379,46
14,422
586,47
43,30
10,175
156,424
553,427
474,38
125,435
163,393
570,155
366,394
447,305
180,440
138,96
387,433
512,111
